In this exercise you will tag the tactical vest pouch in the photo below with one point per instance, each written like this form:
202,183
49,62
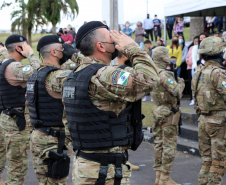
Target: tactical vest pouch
58,165
137,125
208,99
176,118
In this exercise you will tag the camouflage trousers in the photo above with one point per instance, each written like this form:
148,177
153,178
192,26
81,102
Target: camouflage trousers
212,147
87,172
17,145
165,133
2,153
41,144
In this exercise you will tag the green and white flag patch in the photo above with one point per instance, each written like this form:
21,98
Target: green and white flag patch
170,81
123,78
26,68
223,84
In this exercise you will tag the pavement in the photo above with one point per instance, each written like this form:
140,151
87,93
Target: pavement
185,168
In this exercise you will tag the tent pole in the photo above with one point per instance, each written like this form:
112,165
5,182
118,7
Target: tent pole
165,42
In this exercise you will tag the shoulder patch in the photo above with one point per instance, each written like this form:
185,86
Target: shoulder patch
171,81
114,76
26,68
223,84
65,73
123,78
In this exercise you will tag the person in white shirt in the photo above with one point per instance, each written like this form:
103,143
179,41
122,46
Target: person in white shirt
210,25
148,26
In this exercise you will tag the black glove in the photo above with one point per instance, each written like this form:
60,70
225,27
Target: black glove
68,50
1,44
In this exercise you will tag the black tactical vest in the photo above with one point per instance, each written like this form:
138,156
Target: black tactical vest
11,96
91,128
45,111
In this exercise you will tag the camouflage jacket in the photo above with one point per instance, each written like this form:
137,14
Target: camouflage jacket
167,93
209,87
111,88
3,54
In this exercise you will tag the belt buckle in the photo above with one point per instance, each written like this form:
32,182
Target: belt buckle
118,173
103,171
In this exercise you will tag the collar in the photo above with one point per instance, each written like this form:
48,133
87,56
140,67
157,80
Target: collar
92,60
212,62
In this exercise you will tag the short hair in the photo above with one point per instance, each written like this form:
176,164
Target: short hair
147,42
45,51
11,47
87,44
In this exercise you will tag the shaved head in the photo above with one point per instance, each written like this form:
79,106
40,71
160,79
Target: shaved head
45,51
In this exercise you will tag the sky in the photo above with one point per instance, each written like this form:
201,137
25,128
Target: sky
129,10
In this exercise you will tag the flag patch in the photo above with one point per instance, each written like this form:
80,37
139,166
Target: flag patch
223,84
123,78
26,68
170,81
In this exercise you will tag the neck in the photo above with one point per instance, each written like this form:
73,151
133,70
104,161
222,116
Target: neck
121,62
16,56
53,61
102,58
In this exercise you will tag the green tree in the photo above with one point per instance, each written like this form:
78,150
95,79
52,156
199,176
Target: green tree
35,16
52,9
19,18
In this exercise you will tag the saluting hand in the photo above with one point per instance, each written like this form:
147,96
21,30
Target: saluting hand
120,39
26,48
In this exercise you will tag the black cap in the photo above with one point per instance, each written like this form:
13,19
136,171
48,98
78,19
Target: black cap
14,39
85,29
49,39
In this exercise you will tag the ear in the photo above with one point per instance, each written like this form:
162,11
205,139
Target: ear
18,49
53,52
100,47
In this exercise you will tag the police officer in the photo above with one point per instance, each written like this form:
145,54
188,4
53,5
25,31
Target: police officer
209,91
101,119
166,115
49,137
13,80
3,56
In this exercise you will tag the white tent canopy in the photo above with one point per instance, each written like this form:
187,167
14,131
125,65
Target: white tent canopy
195,8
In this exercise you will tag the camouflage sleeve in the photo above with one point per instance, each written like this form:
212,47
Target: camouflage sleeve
3,54
23,72
218,79
77,58
169,82
130,84
56,80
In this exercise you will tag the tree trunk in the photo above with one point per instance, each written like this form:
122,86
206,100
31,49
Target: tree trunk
29,37
54,29
196,26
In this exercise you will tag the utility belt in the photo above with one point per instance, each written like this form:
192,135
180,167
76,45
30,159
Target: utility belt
105,159
20,119
58,162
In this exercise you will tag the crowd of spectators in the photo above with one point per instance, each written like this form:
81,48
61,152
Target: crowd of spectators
184,57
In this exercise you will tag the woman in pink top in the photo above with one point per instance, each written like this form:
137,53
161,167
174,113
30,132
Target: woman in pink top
189,62
178,26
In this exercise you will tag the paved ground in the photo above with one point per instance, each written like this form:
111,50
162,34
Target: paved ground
185,169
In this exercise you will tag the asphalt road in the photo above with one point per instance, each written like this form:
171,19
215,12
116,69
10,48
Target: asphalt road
185,168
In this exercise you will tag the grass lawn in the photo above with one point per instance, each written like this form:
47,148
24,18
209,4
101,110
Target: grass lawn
147,109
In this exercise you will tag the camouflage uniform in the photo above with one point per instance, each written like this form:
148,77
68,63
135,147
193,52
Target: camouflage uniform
17,142
42,143
209,90
113,97
165,122
3,56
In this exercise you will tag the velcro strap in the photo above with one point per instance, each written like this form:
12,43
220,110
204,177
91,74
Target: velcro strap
118,170
103,171
220,171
